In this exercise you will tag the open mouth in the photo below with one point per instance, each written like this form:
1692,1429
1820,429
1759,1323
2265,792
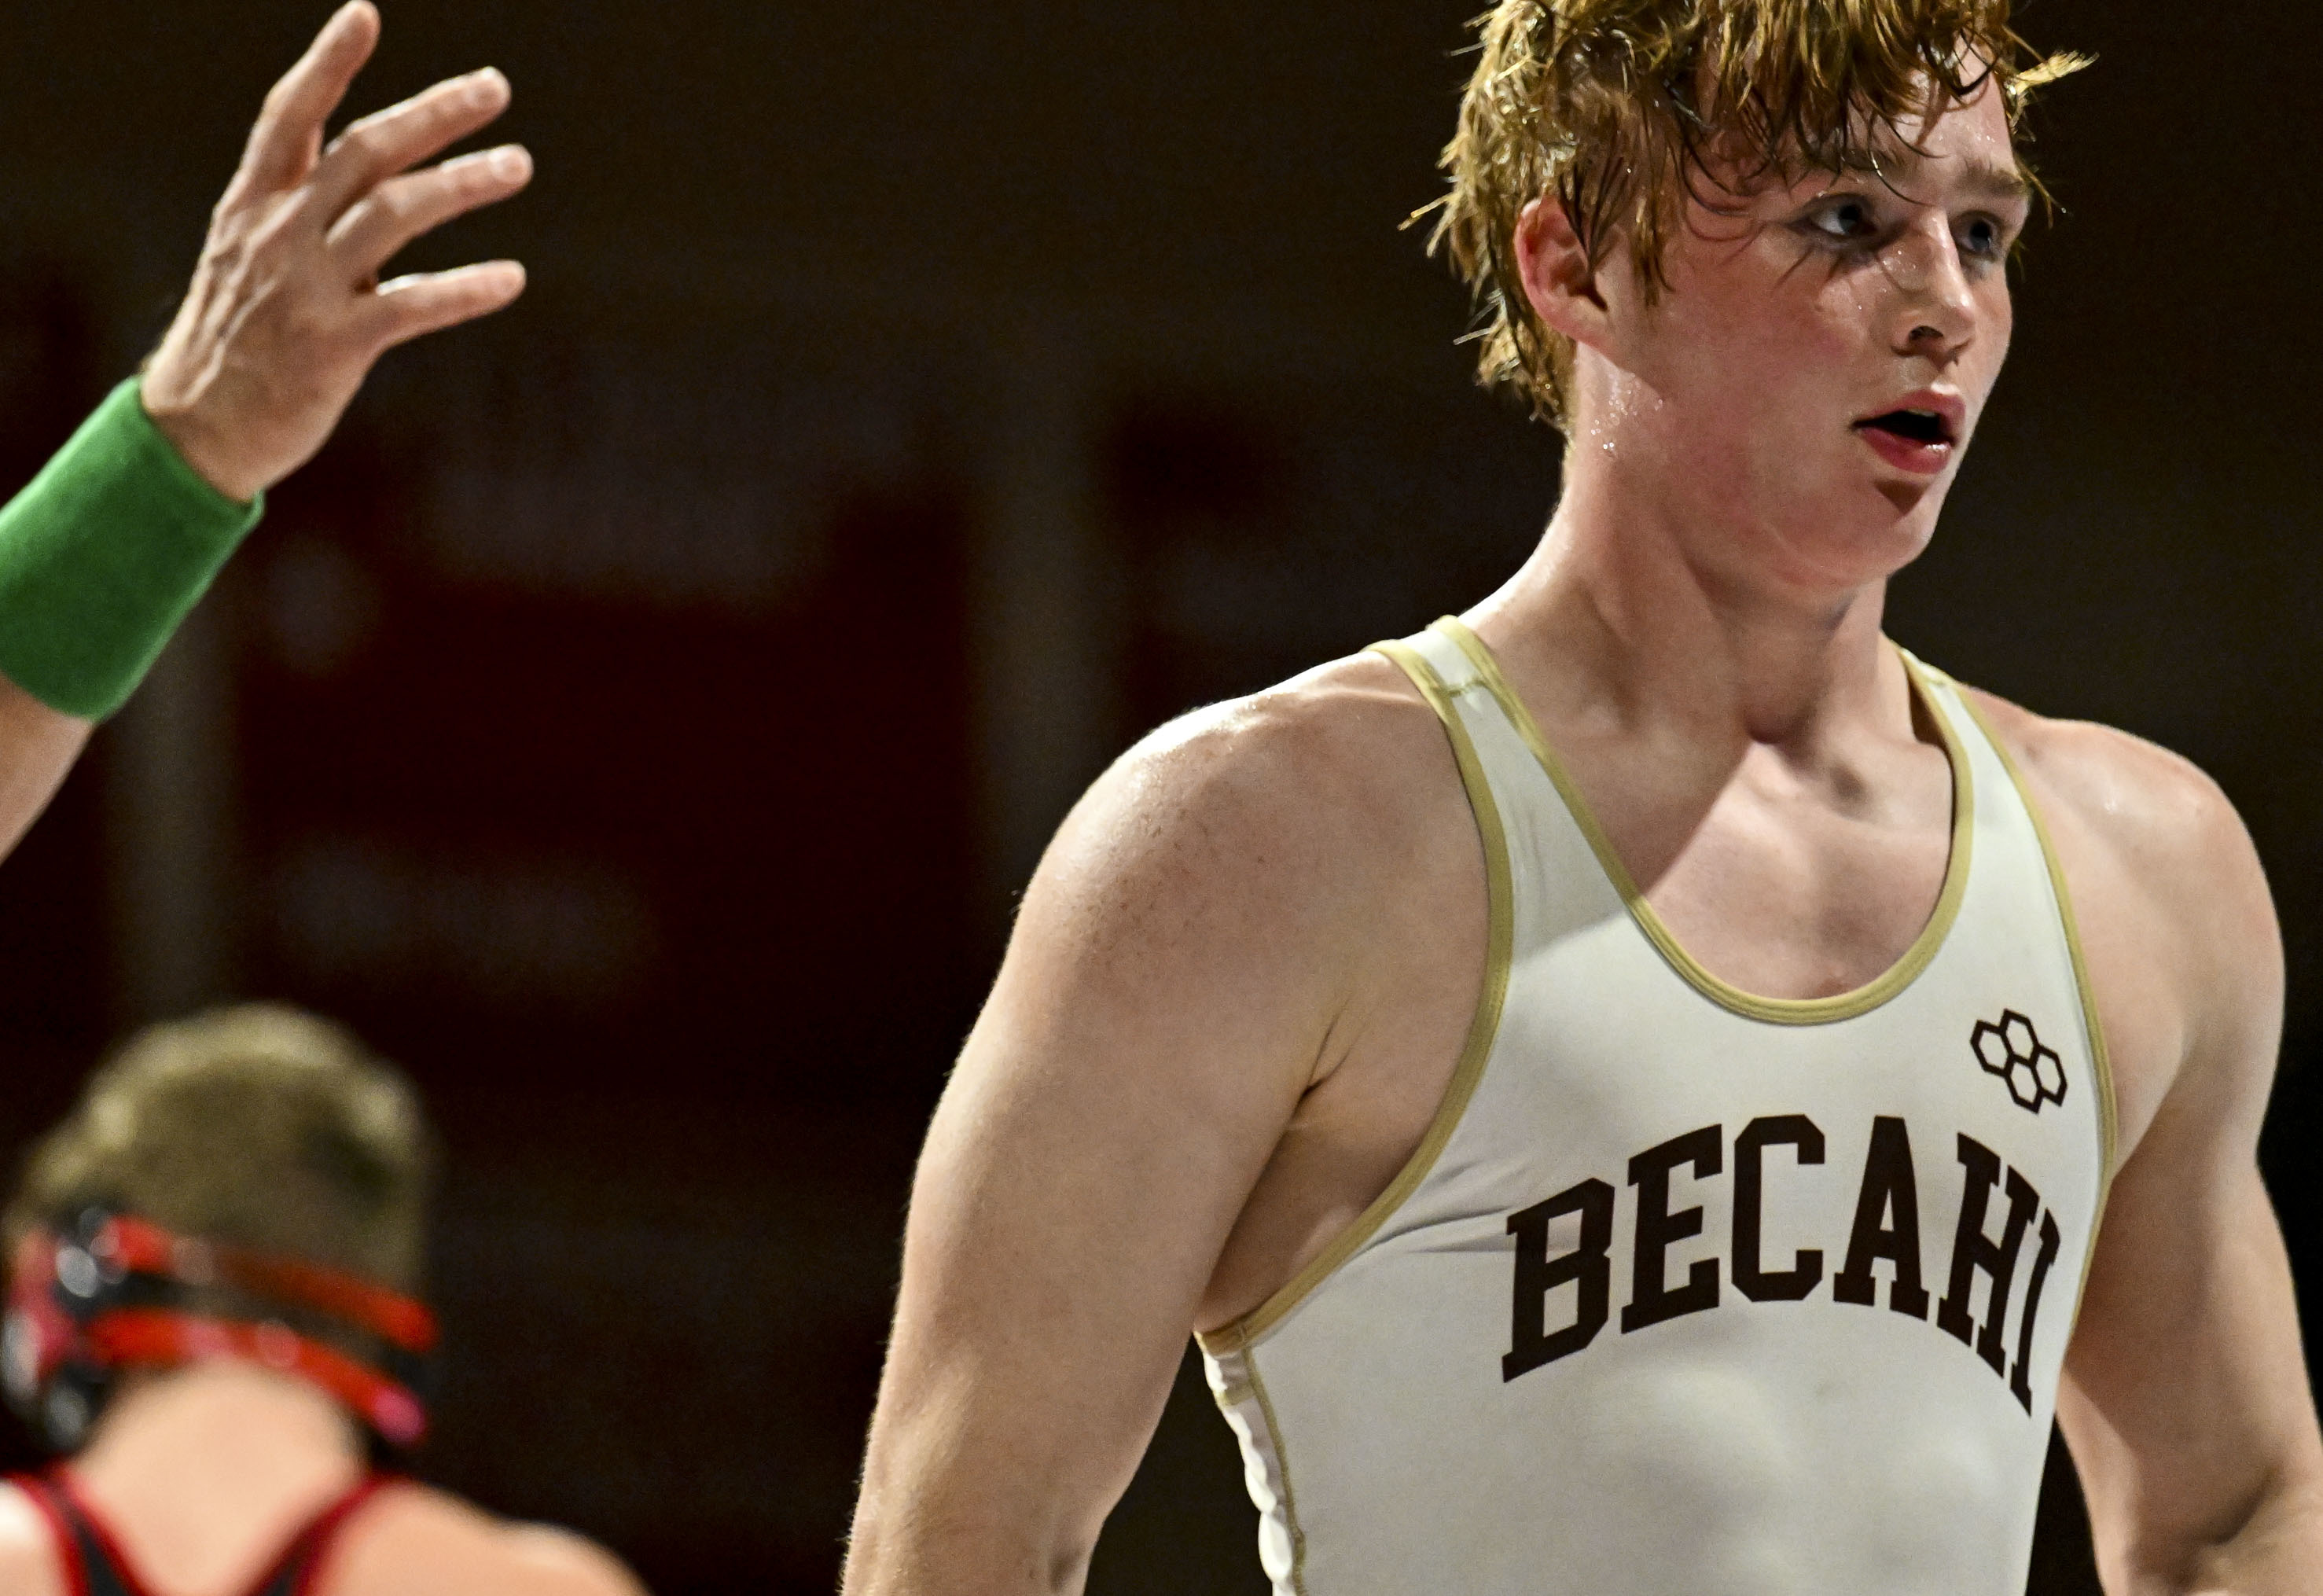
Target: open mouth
1918,427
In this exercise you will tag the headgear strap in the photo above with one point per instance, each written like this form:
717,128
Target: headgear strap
111,1296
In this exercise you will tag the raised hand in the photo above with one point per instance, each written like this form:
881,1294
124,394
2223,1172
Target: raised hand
287,313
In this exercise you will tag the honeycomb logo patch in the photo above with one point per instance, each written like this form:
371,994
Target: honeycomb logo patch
2011,1049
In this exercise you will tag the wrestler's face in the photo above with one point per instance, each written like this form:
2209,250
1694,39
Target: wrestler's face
1817,363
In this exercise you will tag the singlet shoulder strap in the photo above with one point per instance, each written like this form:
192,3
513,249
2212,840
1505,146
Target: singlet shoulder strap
1980,732
298,1570
1419,657
1448,667
87,1556
1439,670
93,1563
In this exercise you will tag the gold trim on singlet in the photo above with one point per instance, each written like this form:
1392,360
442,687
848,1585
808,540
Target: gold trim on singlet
1483,1026
2092,1027
1282,1477
1779,1010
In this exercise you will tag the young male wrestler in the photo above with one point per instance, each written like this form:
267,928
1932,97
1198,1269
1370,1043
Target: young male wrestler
211,1307
1614,1079
104,553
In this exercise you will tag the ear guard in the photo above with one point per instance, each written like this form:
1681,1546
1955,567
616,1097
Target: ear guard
113,1295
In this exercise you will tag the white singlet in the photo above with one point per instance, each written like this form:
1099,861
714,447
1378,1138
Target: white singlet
1687,1290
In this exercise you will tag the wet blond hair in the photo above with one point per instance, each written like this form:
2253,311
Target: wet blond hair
258,1125
1621,110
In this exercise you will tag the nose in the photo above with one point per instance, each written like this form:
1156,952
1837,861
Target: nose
1936,312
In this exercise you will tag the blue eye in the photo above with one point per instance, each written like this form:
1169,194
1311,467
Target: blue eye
1982,237
1846,219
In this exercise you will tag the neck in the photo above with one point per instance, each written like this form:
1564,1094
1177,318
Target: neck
1675,608
217,1433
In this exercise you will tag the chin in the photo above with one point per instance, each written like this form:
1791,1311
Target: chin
1866,538
1914,497
1894,527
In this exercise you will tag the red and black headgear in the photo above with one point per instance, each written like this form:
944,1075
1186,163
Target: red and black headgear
119,1293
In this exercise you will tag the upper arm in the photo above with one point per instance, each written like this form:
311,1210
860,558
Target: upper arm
2185,1396
1163,1004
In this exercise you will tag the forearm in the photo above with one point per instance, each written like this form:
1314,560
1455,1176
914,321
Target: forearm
101,555
1000,1442
2188,1404
910,1558
918,1533
983,1477
106,551
2277,1550
38,745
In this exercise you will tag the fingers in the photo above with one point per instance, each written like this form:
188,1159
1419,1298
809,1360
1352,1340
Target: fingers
289,128
412,307
388,142
402,208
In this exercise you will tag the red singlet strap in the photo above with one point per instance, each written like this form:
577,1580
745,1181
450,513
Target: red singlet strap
299,1572
57,1515
80,1533
95,1564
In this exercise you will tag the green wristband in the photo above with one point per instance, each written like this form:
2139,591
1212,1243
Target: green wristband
102,556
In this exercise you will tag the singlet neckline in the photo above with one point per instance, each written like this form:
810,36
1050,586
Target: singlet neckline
303,1554
1781,1011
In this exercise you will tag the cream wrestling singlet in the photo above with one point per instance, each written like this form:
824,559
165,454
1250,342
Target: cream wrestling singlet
1686,1289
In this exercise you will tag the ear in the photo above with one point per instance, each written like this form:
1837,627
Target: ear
1559,279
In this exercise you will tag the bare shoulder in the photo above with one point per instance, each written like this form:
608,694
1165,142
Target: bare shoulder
2157,813
28,1563
561,1561
1308,784
1321,731
414,1539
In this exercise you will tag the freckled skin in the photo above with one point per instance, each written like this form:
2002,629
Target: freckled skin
1242,975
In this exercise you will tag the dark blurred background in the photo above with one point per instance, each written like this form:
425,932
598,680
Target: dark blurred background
639,720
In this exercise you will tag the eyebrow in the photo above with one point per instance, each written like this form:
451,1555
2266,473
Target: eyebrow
1996,182
1977,177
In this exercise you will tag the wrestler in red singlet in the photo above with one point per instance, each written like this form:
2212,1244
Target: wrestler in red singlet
93,1563
211,1312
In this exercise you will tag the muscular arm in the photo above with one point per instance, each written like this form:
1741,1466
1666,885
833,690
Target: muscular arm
1169,993
2185,1399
